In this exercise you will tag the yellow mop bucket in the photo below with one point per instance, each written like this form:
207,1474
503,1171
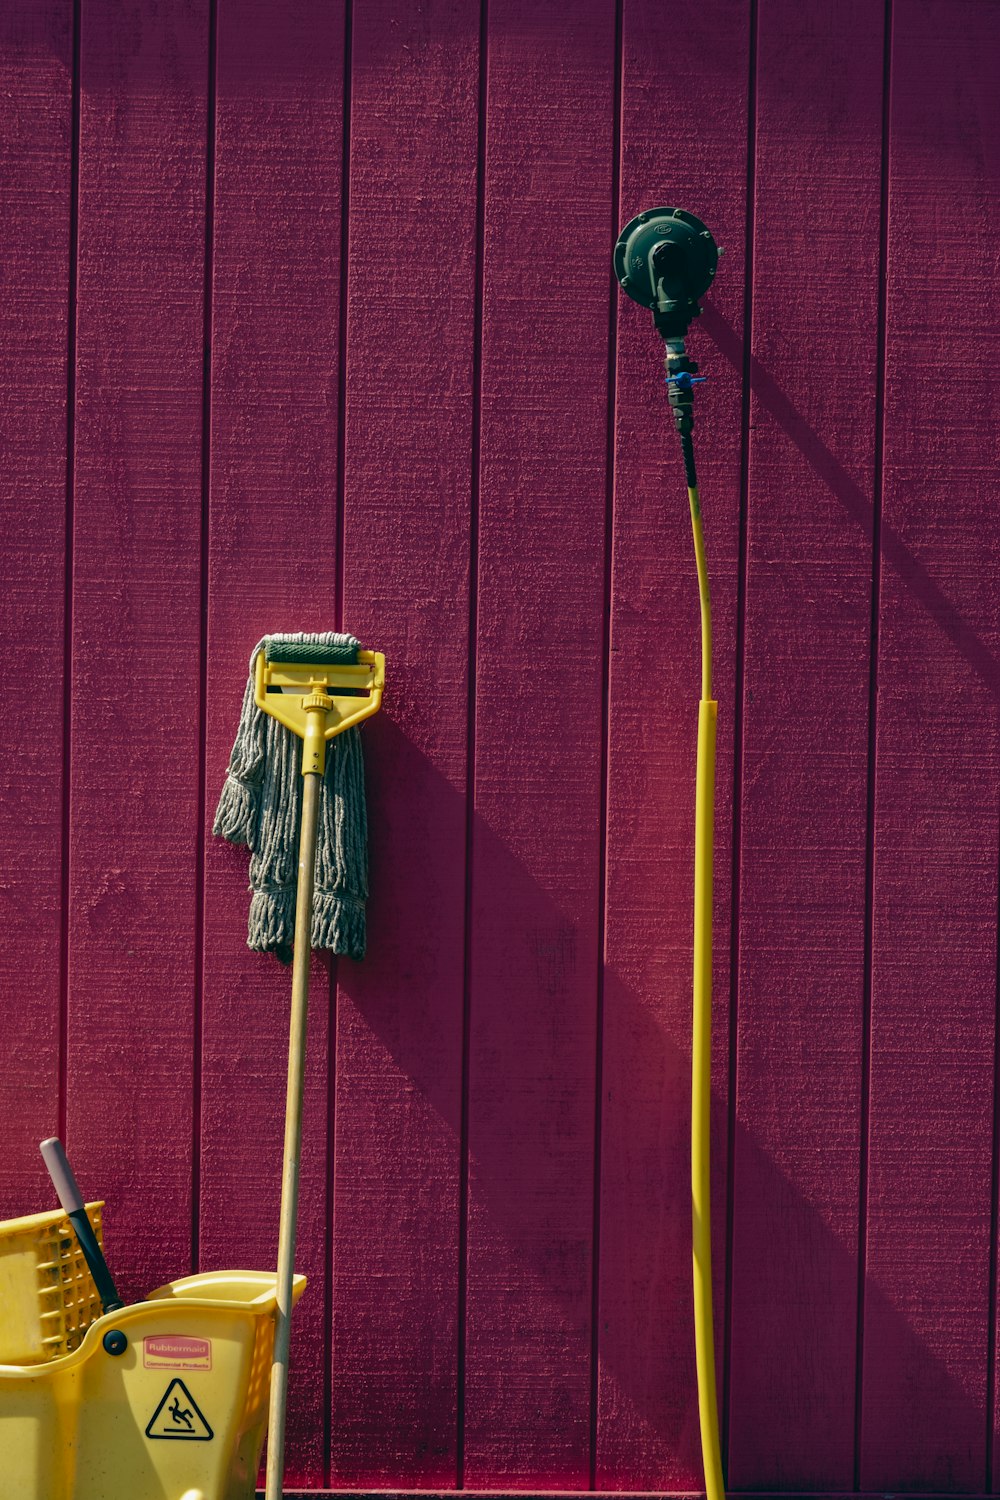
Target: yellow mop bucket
163,1400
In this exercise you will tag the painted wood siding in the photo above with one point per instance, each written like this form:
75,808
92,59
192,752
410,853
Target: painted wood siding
307,320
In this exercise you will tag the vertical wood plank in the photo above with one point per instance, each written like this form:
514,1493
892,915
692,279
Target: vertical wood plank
805,745
409,419
924,1419
272,567
136,626
36,74
536,835
684,130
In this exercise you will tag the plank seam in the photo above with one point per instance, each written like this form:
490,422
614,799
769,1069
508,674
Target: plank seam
873,649
206,480
345,241
991,1333
340,583
67,683
742,568
602,898
470,754
991,1329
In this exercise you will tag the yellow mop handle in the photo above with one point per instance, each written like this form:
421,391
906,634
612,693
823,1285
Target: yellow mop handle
701,1049
313,762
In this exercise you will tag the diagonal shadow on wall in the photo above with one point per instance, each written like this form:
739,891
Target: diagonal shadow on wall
856,502
639,1371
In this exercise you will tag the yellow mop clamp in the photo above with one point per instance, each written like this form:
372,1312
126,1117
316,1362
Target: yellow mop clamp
317,699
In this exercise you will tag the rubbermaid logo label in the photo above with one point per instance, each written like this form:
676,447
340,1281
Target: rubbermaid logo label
175,1351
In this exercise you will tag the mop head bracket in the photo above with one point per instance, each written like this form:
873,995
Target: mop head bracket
291,691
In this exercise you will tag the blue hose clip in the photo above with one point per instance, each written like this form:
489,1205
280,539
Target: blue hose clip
684,380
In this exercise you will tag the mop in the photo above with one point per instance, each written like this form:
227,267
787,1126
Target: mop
261,806
301,812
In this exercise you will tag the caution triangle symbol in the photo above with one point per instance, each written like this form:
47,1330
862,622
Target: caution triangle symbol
179,1416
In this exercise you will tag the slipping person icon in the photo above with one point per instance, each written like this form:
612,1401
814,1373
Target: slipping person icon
181,1414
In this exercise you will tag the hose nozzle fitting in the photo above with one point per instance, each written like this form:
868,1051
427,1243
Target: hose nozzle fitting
681,374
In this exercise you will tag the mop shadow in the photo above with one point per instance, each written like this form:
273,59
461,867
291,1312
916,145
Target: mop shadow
531,1136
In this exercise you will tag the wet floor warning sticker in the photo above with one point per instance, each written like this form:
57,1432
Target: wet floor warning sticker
179,1416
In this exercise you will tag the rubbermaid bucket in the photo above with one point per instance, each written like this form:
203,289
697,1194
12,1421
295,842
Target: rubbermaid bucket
180,1414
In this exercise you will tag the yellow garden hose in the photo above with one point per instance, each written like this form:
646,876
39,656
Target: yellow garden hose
701,1048
706,606
666,259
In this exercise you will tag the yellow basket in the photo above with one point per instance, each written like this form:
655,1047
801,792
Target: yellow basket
48,1299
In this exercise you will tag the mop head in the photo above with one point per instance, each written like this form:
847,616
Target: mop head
261,806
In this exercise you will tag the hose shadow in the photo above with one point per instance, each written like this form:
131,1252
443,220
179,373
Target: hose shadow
529,1230
856,502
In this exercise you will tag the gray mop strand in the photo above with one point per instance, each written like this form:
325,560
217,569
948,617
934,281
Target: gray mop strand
261,806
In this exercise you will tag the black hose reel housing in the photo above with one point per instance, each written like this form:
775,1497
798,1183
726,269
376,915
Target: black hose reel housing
665,259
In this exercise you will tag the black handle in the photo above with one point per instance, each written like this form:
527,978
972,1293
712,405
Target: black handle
70,1197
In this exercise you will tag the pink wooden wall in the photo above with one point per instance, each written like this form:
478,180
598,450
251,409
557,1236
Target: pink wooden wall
306,318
